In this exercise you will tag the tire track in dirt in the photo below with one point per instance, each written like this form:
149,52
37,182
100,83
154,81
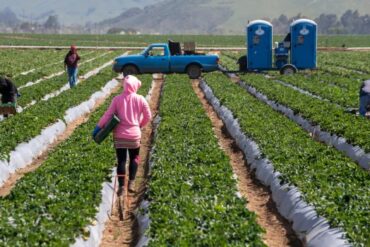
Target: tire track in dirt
278,230
126,232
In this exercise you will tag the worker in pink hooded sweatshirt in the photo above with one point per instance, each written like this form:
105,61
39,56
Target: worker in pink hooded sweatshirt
134,112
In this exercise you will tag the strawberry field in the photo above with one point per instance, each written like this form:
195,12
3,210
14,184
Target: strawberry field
295,136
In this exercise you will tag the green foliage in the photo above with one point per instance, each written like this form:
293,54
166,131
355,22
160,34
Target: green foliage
51,206
330,117
23,127
336,186
192,193
38,91
144,39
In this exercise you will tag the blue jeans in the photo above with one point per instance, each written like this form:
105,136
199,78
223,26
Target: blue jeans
364,102
72,76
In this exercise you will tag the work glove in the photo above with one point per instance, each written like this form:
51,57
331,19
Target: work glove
18,95
96,131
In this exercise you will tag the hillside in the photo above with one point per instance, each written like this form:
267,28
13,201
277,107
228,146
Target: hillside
71,11
175,16
249,10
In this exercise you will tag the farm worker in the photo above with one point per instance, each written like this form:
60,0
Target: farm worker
364,97
134,113
8,91
71,63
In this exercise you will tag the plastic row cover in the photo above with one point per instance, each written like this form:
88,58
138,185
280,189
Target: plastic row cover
85,107
57,92
142,213
95,71
67,87
31,83
356,153
96,231
149,95
301,90
312,229
24,153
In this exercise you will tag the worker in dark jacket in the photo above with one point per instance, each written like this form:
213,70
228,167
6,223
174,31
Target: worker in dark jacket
364,97
71,63
8,91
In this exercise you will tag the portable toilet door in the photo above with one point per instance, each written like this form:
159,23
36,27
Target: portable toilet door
303,44
259,45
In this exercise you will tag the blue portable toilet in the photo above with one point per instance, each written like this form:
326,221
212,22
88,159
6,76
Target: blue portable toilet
259,42
303,44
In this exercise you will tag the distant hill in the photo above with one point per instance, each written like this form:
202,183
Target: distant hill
71,11
221,16
8,17
176,16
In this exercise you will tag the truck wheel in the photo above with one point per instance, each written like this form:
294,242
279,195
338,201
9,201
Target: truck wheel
194,71
288,69
129,70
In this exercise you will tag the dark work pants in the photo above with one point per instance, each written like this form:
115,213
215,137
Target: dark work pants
121,166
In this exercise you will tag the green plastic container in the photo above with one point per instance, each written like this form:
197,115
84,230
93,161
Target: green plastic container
103,133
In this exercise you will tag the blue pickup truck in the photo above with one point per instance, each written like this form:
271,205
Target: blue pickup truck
166,58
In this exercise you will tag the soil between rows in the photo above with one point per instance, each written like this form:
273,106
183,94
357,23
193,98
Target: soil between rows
126,232
278,230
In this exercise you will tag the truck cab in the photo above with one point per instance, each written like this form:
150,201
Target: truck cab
156,58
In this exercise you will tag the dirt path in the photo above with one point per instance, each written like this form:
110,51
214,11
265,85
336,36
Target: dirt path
12,181
125,233
278,230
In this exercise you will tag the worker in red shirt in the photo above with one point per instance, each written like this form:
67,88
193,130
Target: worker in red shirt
71,63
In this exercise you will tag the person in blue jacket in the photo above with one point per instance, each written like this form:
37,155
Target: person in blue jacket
364,97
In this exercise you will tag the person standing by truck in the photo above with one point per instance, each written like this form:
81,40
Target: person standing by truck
134,113
8,91
71,63
364,97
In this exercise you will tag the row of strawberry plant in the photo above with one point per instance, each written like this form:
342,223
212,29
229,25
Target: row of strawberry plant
319,86
336,186
228,62
344,72
15,61
352,60
38,91
328,116
53,205
192,191
22,127
46,70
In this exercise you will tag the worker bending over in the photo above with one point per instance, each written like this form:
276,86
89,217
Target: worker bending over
8,91
364,97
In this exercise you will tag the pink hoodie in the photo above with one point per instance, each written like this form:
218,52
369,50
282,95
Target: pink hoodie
132,109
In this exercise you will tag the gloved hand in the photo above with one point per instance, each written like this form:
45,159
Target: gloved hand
18,95
96,130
